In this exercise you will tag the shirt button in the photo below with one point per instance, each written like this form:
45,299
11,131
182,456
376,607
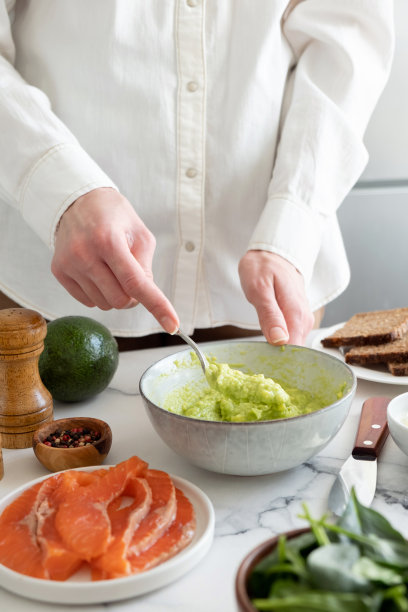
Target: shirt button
192,3
192,86
191,173
189,246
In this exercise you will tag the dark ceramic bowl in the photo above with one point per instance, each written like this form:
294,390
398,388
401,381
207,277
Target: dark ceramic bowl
248,564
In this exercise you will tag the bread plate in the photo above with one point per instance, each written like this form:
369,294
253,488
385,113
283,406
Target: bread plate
80,589
375,373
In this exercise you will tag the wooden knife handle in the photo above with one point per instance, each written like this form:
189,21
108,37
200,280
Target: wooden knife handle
372,430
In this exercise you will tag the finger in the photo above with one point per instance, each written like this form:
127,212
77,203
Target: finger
148,294
299,323
109,286
296,331
93,293
138,284
298,316
75,290
143,250
271,319
132,303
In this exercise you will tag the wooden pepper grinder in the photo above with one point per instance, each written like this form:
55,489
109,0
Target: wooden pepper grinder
25,403
1,462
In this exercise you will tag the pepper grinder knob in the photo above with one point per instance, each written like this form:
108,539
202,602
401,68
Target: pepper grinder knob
25,403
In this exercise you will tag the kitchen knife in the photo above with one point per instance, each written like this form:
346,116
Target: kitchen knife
360,469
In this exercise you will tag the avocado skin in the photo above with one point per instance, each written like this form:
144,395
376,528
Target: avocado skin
79,359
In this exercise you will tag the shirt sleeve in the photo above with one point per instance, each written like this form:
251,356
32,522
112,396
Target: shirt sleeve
342,57
43,168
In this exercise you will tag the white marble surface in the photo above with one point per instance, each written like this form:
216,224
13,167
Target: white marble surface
248,510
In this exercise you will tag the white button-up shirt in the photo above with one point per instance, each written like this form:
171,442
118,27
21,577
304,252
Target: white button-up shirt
229,125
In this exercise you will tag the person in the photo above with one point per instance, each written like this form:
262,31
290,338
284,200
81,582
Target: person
179,163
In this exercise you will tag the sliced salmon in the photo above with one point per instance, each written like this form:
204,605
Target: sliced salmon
124,521
161,514
116,521
19,549
58,560
176,537
82,519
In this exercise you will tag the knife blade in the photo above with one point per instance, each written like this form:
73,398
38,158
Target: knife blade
360,469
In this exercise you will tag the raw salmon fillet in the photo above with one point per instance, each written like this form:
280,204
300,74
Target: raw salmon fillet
82,519
58,560
151,527
19,549
178,536
116,521
162,514
124,521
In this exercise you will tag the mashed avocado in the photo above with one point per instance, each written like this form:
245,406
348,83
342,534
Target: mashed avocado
233,395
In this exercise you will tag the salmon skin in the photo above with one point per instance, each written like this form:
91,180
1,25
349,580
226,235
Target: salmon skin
116,521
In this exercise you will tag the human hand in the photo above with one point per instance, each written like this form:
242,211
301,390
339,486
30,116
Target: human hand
276,289
103,256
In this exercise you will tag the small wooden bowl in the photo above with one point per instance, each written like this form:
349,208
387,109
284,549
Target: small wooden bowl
248,564
56,459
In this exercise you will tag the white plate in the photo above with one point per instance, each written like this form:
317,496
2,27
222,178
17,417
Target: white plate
377,373
84,591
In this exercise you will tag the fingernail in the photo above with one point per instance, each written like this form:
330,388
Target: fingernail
132,302
277,335
169,325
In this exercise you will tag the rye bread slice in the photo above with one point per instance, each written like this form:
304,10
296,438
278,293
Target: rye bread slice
398,369
375,327
395,351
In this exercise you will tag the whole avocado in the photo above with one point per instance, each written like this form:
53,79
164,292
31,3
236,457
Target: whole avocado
79,359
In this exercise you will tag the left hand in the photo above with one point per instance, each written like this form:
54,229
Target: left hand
277,291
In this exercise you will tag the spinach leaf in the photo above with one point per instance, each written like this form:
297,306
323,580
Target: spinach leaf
359,564
332,568
375,572
395,599
388,552
366,521
321,601
281,562
284,587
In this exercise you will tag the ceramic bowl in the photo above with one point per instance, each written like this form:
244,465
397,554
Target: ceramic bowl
397,416
249,562
56,459
250,448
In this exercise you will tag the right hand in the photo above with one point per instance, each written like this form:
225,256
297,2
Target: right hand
277,291
103,256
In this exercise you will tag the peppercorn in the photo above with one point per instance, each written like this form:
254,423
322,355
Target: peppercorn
72,438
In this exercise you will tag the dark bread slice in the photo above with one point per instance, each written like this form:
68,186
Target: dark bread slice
398,369
376,327
395,351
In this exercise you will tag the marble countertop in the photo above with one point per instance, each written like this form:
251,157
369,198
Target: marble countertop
248,510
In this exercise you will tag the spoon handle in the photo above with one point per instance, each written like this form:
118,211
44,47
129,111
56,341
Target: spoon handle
200,355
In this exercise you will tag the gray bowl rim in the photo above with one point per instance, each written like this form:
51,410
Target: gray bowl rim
250,423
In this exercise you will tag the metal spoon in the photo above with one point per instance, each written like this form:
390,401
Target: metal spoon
200,355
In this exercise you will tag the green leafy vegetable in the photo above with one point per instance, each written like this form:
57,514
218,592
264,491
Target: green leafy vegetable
359,564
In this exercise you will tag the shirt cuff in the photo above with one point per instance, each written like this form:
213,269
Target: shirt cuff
61,176
292,230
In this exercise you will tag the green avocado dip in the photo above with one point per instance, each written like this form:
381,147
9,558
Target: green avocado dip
232,395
